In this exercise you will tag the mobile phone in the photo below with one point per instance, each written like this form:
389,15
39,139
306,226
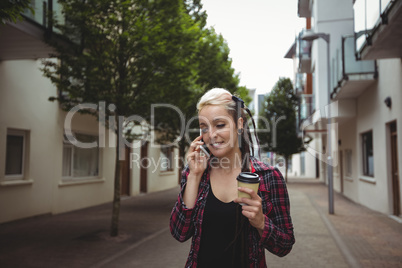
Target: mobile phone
204,148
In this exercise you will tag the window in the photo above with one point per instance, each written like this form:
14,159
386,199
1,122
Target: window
166,159
368,155
80,162
15,153
348,164
302,164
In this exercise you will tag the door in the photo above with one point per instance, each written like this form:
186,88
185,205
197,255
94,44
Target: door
394,169
144,165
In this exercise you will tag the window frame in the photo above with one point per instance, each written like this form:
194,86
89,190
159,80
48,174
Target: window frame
365,155
169,156
23,134
67,144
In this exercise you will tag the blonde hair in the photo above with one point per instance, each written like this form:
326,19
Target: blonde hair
222,97
217,96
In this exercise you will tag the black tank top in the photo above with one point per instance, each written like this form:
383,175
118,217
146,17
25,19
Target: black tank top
218,233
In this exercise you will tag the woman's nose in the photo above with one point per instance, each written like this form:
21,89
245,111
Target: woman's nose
212,133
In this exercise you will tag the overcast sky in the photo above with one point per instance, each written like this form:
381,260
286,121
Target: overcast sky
259,33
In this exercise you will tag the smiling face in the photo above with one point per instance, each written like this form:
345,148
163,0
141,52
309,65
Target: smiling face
219,131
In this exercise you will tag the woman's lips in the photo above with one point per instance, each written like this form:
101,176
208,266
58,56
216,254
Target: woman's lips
217,144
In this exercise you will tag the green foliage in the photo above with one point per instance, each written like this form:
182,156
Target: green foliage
214,65
136,53
213,69
242,91
10,10
194,9
129,53
282,137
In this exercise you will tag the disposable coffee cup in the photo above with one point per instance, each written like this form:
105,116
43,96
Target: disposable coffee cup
247,180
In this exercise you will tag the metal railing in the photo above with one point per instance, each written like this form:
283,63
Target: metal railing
303,53
345,64
300,83
42,11
368,14
305,110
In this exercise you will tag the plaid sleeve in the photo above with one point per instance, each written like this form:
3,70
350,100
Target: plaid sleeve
278,237
181,226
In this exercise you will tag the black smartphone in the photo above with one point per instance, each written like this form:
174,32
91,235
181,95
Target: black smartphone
204,148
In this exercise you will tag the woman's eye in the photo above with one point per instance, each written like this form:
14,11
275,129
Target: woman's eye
204,130
220,126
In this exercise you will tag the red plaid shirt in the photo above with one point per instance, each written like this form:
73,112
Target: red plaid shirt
277,236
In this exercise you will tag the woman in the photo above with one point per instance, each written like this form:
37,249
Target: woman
224,233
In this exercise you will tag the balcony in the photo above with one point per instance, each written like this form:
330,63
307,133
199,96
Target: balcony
306,106
305,110
25,39
378,24
303,53
350,77
304,8
300,83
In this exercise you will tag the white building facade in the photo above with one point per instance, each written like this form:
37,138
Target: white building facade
41,172
365,93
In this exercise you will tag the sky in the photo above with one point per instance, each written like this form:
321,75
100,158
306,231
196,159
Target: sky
259,33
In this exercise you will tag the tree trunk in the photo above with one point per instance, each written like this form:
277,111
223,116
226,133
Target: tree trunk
114,230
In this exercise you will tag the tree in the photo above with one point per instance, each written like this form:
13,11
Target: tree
11,10
213,69
127,53
280,108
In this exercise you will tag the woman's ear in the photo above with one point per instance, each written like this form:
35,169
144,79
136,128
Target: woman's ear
240,123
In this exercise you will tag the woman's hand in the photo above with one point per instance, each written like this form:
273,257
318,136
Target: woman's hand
196,162
252,209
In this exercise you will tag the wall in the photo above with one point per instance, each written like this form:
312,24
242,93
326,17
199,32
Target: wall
374,115
161,180
24,105
89,192
349,141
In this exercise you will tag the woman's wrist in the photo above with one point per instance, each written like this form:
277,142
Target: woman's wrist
191,191
192,176
262,227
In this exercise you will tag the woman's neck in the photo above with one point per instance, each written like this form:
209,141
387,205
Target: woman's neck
230,162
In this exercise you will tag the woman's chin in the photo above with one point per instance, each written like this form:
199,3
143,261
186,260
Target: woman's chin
219,153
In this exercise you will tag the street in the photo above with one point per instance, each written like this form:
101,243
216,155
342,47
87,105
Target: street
350,238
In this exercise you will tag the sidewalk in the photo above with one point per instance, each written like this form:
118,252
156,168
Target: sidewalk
354,237
370,238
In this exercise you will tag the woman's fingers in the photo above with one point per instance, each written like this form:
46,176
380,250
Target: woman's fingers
196,161
194,146
252,208
255,199
196,157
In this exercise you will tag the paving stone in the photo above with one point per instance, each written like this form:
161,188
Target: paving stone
81,239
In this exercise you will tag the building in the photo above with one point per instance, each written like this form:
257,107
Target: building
41,172
361,86
303,165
